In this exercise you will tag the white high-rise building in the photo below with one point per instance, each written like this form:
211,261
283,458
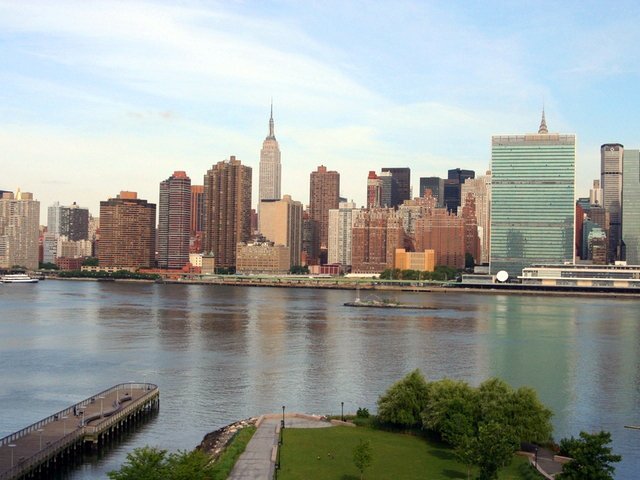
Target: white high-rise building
270,178
480,188
19,230
53,219
340,223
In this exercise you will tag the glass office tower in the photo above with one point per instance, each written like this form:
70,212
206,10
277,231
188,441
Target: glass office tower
631,206
532,200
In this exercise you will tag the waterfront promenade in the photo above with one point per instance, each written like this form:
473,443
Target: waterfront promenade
49,442
258,461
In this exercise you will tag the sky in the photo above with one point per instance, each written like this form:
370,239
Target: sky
102,96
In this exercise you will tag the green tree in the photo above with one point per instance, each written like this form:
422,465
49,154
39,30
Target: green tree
521,410
451,410
47,266
90,262
465,451
299,270
146,463
592,457
362,456
386,274
493,449
150,463
469,261
403,403
184,465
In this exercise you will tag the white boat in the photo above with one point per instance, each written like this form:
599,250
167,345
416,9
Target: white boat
18,278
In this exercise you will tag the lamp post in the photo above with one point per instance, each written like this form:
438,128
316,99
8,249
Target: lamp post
12,446
283,416
40,430
342,411
64,428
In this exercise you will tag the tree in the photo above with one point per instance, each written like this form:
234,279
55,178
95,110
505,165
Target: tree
299,270
47,266
146,463
362,456
90,262
184,465
469,261
521,410
404,401
592,458
493,449
150,463
451,409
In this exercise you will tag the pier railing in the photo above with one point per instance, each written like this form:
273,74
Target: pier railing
80,432
72,410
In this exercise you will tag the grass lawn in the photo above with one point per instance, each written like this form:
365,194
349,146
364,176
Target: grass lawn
327,453
223,466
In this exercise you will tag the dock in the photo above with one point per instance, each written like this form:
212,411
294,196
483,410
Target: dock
52,442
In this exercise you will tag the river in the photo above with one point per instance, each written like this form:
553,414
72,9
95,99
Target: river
222,353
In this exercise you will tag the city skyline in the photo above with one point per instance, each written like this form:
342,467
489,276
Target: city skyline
92,105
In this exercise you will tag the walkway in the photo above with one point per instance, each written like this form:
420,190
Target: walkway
22,450
258,460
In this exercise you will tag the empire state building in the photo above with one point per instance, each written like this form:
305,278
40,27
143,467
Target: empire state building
269,182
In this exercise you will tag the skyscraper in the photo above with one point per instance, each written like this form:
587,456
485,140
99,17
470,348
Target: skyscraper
611,155
440,230
436,185
376,234
227,190
127,232
340,222
386,189
19,230
374,190
532,200
480,189
453,188
400,185
324,195
631,206
71,222
197,209
53,219
282,225
269,181
174,221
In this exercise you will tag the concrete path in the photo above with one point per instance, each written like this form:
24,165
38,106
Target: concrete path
257,462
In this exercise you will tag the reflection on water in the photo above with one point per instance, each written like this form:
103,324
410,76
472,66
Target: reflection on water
223,353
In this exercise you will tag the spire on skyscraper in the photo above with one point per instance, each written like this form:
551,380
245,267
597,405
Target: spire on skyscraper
271,133
543,124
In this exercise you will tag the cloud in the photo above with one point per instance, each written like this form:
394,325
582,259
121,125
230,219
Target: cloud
127,92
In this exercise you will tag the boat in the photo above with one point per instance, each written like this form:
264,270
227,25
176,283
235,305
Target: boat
17,278
383,303
386,304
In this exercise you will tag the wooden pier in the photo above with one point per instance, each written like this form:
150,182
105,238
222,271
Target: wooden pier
49,444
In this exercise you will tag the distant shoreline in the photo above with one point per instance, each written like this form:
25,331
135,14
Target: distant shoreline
374,285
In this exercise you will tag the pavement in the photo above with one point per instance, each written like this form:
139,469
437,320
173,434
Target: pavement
258,460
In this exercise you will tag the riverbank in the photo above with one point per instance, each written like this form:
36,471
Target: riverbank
342,283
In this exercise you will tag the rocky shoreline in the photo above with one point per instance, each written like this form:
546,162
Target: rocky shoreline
214,443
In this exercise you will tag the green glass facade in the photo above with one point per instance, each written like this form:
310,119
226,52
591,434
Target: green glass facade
631,206
532,201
